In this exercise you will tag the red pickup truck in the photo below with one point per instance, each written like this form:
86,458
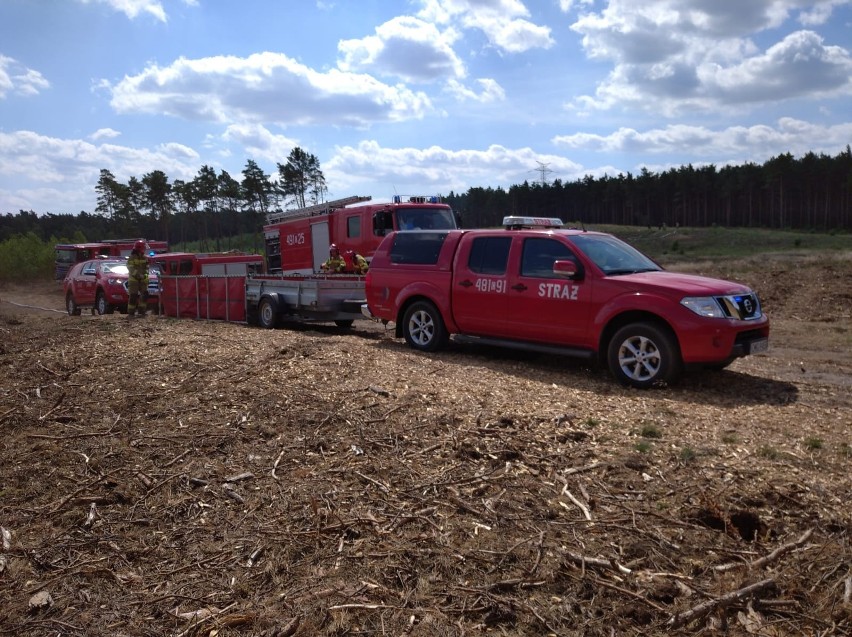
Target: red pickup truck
536,286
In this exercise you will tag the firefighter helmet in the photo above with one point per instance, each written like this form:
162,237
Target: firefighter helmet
139,246
332,249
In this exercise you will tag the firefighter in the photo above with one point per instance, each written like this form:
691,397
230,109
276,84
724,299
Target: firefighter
356,263
137,281
335,262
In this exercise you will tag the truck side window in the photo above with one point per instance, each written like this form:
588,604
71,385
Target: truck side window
382,223
539,255
353,226
489,255
186,266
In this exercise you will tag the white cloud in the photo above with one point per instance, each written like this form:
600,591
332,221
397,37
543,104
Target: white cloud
820,12
798,65
265,87
678,55
756,143
405,47
258,143
566,5
439,168
73,166
16,78
503,22
134,8
104,133
491,91
74,199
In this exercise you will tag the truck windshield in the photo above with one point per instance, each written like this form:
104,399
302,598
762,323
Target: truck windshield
425,219
612,255
67,256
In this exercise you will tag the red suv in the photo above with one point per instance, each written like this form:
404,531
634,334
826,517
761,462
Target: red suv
102,285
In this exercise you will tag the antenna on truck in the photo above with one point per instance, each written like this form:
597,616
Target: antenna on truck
317,209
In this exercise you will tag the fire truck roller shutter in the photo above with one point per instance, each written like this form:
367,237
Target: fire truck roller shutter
320,241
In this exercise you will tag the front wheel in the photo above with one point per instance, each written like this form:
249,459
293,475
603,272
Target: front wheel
423,327
642,354
71,305
267,313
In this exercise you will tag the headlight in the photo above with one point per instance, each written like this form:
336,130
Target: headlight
703,306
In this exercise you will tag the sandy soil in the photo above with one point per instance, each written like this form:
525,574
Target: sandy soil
165,477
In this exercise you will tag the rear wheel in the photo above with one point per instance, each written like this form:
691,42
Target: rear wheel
423,327
71,305
101,305
267,313
642,354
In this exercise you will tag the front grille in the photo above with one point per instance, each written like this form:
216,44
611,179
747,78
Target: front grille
744,307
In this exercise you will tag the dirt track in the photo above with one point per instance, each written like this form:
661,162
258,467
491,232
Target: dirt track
310,481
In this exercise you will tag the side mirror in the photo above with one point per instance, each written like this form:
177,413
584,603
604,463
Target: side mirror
566,269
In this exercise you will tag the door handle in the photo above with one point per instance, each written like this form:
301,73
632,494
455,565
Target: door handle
466,283
520,287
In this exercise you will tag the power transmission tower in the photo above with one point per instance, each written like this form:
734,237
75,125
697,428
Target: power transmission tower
543,170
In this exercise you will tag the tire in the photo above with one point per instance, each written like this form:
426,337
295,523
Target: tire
101,305
344,324
71,305
423,327
267,313
642,355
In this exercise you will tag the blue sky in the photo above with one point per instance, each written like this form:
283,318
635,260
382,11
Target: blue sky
411,97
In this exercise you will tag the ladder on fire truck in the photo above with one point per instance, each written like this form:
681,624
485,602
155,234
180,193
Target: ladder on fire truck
317,209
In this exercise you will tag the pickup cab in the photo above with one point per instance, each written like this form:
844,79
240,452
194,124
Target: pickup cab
537,286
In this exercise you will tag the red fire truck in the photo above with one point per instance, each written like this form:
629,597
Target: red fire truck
67,254
297,241
195,263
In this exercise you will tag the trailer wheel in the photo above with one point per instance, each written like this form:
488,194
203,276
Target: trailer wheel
642,354
267,313
344,323
423,327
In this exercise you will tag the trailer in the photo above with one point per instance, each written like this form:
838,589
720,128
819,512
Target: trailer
264,300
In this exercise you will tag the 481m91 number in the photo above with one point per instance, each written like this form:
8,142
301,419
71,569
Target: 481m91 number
491,285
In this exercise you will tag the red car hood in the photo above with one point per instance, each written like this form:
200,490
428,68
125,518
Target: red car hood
682,284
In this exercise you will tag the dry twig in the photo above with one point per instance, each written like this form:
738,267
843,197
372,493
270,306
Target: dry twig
767,559
705,608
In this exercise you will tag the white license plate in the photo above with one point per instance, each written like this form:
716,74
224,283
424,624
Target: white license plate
758,346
